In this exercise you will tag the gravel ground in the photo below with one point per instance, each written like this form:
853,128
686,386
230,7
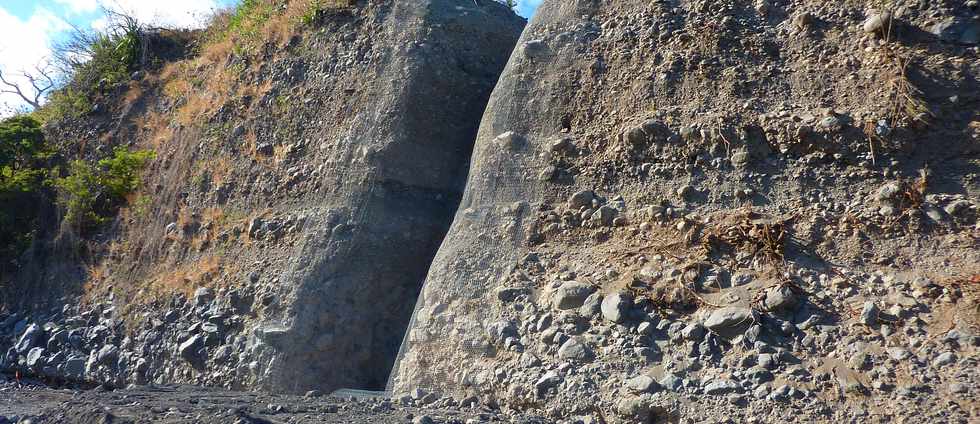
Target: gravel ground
34,402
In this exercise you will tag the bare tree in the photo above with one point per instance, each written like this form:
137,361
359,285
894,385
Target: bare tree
41,80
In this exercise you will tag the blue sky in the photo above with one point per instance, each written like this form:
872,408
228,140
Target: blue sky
28,27
526,8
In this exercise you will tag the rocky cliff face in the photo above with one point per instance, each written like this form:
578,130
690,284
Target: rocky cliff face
298,198
683,211
697,199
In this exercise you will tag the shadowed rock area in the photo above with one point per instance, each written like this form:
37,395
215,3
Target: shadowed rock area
396,184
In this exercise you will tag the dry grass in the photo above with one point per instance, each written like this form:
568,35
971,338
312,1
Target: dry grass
905,100
250,143
217,51
199,86
203,84
188,277
905,103
154,128
186,218
677,296
279,153
256,91
914,191
220,168
761,238
133,93
95,275
214,215
176,88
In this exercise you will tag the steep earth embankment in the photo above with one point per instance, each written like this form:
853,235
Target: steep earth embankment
718,211
302,185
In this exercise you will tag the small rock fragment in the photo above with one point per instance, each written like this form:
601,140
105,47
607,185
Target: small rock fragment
869,314
642,384
581,199
574,350
572,294
878,22
615,307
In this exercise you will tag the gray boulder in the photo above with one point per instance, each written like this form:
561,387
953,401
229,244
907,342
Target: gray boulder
74,367
944,359
581,199
572,294
780,299
869,314
592,305
639,410
730,321
604,216
693,332
671,382
720,387
758,375
499,331
30,338
107,355
574,349
642,384
423,419
34,357
203,296
957,207
190,349
616,306
878,23
548,380
958,30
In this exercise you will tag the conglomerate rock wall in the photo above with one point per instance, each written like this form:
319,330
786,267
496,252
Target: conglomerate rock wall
681,208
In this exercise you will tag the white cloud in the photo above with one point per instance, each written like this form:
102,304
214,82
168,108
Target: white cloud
23,45
169,13
79,6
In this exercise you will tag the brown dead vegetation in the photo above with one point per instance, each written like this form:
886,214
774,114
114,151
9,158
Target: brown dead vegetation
187,277
750,234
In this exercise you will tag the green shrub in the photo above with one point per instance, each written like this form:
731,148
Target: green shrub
67,102
122,171
314,13
114,57
245,24
79,195
91,194
24,171
21,143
